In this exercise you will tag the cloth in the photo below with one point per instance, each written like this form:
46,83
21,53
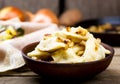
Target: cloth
11,57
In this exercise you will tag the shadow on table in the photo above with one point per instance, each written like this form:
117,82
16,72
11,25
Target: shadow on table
64,80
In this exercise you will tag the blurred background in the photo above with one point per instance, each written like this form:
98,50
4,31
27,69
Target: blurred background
89,8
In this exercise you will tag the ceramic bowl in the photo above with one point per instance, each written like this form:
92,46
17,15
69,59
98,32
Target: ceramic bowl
66,70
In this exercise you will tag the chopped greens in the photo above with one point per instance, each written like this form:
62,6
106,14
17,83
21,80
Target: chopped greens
9,32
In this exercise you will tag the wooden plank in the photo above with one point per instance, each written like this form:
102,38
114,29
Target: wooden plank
33,5
89,8
19,80
108,9
118,5
106,77
25,72
110,75
95,8
117,51
1,3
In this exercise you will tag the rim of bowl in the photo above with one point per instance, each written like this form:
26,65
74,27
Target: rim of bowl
46,62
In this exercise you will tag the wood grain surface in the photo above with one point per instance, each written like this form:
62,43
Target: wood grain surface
24,75
95,8
89,8
32,5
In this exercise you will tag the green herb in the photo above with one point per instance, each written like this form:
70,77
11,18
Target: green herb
20,32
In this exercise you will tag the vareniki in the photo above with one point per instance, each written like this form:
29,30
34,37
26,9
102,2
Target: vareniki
70,45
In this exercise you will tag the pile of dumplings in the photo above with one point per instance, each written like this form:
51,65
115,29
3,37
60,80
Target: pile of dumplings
69,45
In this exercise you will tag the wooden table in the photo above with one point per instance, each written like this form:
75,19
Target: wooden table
24,76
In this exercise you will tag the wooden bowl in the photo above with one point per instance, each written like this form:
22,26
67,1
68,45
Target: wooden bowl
66,70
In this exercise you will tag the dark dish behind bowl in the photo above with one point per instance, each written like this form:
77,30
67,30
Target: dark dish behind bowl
112,39
66,70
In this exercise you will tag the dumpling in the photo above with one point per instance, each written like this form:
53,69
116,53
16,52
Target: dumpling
94,50
75,34
37,54
50,44
70,45
67,55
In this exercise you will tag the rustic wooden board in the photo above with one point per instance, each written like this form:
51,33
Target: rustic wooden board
33,5
23,71
1,3
106,77
19,80
89,8
117,51
95,8
26,76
